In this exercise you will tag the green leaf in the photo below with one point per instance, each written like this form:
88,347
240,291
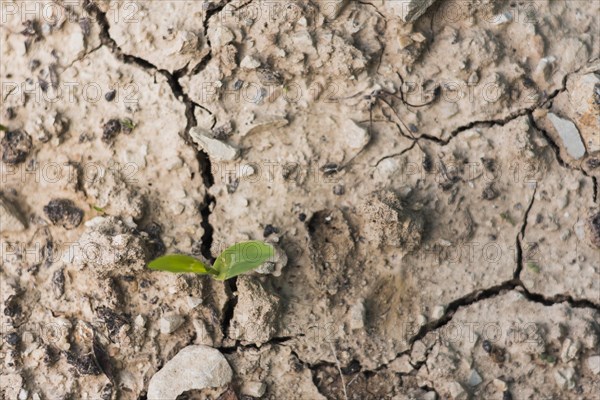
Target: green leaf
180,263
242,257
3,128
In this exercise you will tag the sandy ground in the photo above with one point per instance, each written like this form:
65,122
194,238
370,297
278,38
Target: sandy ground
430,182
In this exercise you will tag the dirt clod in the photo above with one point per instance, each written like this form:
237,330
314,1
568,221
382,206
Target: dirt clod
16,146
63,212
390,223
111,129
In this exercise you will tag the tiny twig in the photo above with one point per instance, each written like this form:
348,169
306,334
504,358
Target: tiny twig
337,362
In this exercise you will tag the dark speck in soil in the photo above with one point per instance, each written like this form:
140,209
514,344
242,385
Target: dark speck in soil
85,364
487,346
63,212
593,163
110,96
339,190
112,320
111,129
269,230
12,339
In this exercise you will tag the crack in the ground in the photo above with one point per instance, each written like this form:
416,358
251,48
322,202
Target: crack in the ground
204,162
209,201
211,10
503,121
521,236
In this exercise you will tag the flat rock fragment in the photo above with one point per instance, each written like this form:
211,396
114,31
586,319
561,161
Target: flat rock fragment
193,368
569,134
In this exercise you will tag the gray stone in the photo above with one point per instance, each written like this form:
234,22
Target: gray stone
10,218
569,134
565,378
193,368
356,136
170,322
216,149
474,378
593,363
249,62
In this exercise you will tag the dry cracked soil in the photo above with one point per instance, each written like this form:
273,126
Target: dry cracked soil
428,172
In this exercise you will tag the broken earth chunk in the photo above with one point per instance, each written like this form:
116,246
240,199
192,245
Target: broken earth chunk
255,315
16,146
63,212
111,129
113,193
109,246
593,229
389,223
193,368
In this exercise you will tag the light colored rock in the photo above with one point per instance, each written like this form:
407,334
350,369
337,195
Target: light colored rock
10,218
419,352
249,62
569,350
500,385
543,71
109,245
474,379
215,148
438,312
593,363
193,302
140,321
193,368
170,322
254,389
569,134
410,10
356,136
357,316
564,378
456,390
203,335
401,364
221,36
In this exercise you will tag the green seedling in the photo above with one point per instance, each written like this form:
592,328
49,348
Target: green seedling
127,123
235,260
99,209
506,216
548,358
533,267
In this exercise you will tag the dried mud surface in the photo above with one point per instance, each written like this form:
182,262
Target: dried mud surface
432,188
